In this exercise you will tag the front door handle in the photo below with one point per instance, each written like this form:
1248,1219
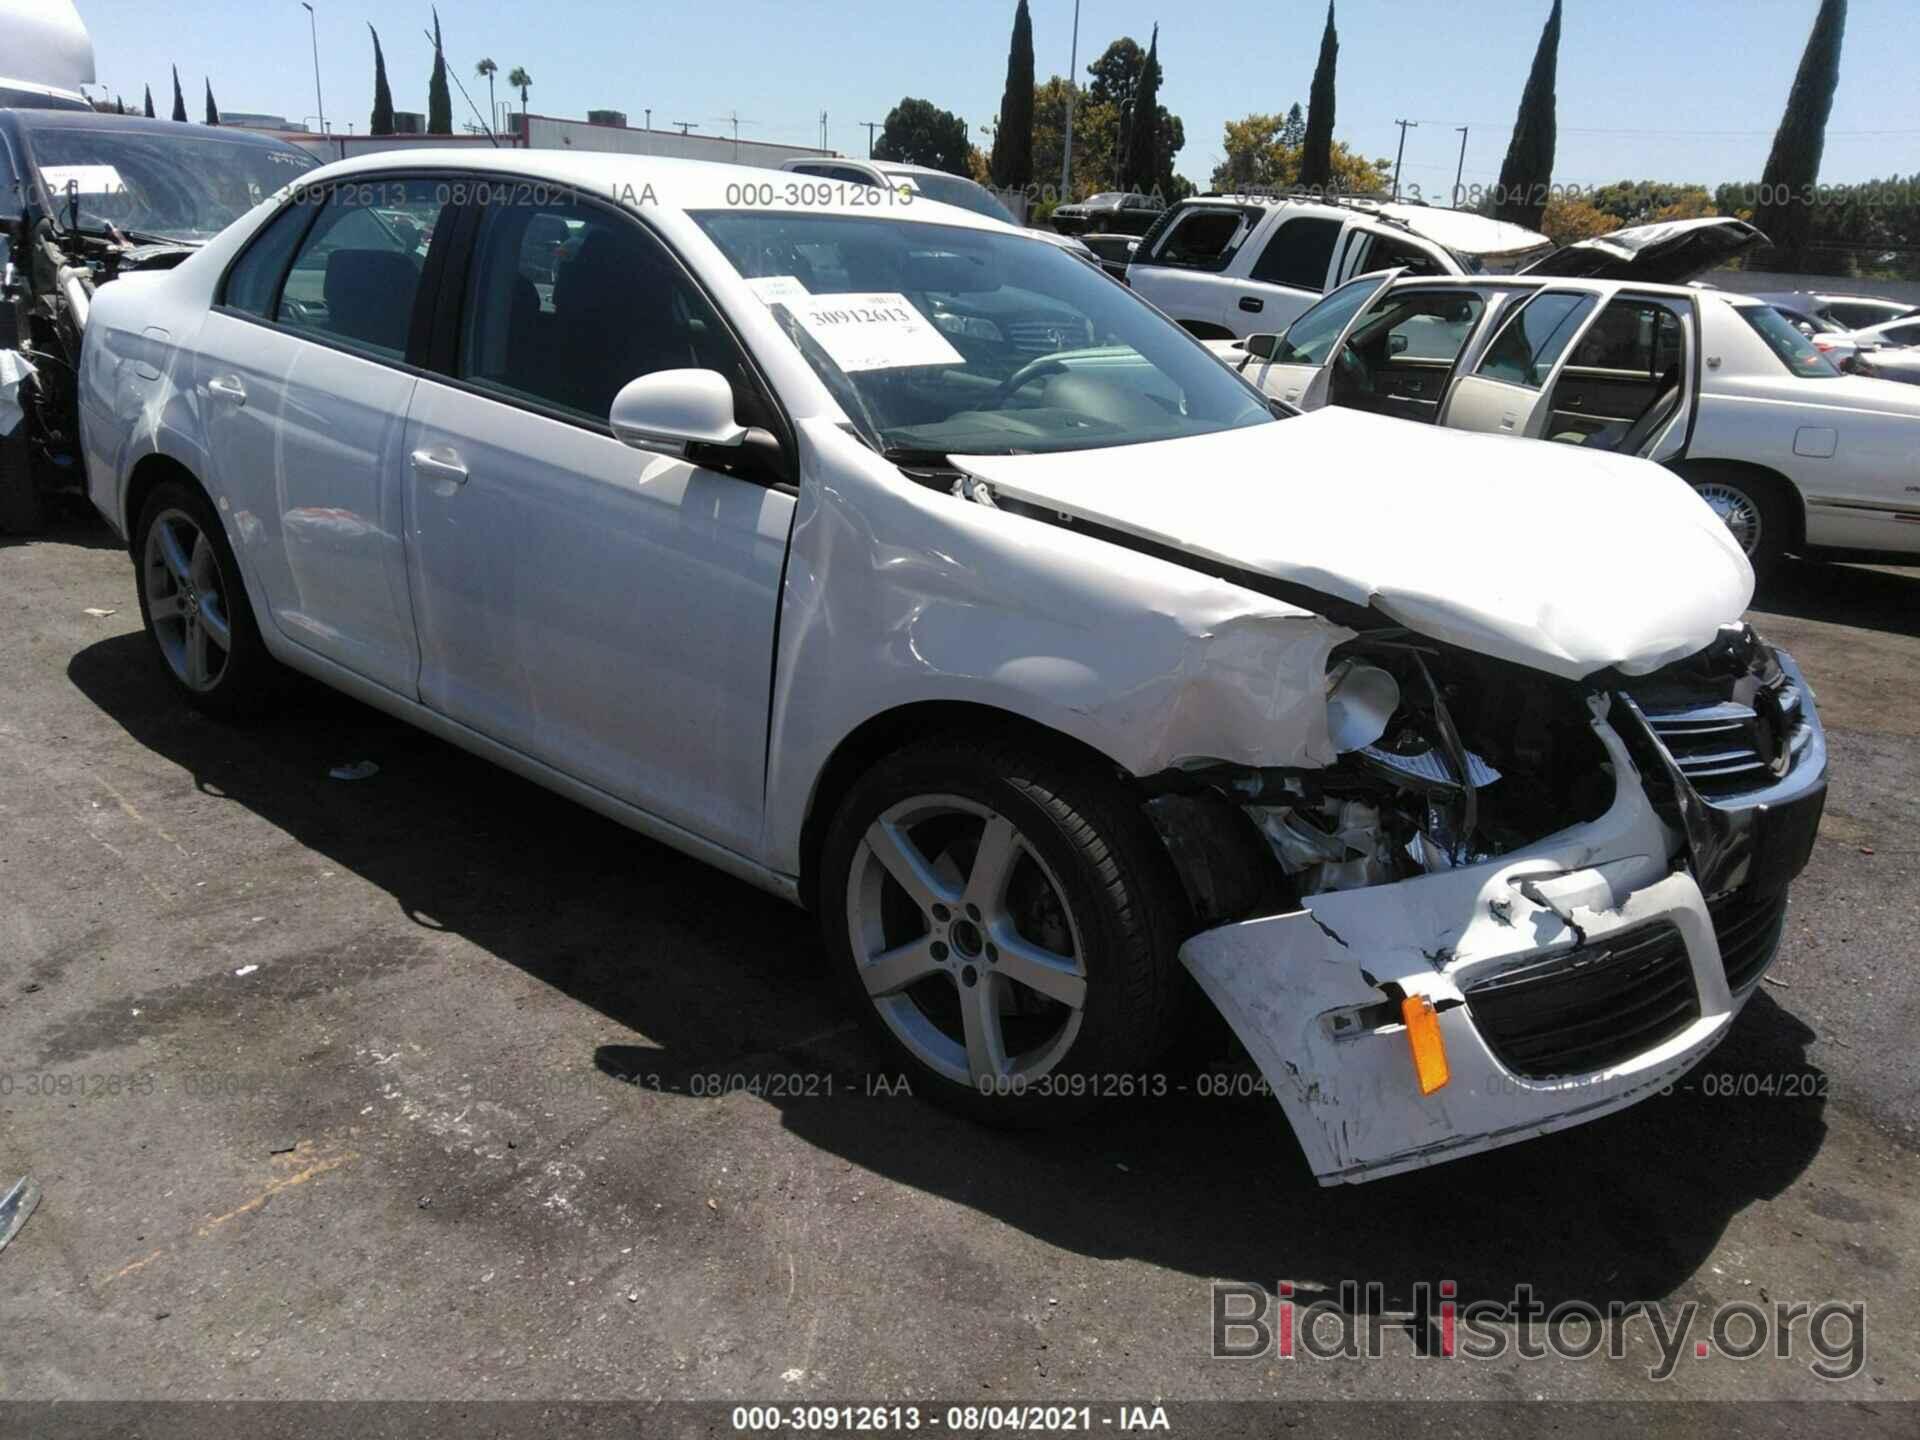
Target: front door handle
442,463
1252,304
228,387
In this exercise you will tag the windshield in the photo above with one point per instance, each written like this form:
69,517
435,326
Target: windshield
943,340
1794,350
952,190
159,186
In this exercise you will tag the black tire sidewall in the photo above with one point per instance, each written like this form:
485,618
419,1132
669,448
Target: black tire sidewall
1117,1045
250,683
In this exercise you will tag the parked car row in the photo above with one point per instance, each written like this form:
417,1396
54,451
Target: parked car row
896,561
1719,387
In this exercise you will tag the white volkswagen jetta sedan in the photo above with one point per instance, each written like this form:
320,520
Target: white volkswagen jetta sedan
904,566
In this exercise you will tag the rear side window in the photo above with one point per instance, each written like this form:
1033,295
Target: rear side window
1641,337
255,278
1298,253
1530,343
1856,316
358,271
1204,238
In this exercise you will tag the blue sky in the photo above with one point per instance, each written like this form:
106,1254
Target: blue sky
1649,89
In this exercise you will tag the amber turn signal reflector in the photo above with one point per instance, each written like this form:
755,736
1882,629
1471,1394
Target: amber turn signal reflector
1423,1040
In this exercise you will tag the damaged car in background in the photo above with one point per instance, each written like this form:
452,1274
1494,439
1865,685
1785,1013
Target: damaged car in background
1051,683
85,199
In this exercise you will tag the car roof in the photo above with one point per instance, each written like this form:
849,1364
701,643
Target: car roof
639,181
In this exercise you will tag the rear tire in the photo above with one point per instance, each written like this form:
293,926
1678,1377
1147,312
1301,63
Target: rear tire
196,610
1753,508
1006,922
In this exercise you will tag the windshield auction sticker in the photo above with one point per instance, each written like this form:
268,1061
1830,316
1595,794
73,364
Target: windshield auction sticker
87,179
872,332
777,289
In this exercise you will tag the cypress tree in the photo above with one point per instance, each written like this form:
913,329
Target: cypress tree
1316,151
1143,137
213,110
1012,161
1793,165
150,102
439,98
179,100
382,121
1528,169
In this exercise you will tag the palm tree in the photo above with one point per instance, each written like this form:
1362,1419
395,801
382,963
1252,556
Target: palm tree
520,80
486,70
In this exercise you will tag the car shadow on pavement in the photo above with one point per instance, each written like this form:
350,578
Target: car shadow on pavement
720,980
1887,600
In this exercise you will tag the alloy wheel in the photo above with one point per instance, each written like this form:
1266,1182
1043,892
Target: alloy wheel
187,600
1737,510
965,943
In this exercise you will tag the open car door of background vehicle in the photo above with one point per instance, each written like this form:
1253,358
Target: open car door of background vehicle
1297,370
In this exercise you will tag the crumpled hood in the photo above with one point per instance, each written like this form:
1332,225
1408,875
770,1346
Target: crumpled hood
1561,559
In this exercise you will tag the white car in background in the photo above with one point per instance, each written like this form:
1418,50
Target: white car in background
1037,677
1719,387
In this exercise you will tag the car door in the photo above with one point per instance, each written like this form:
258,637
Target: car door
1398,356
1293,366
606,610
1506,392
305,367
1286,274
1626,382
1185,274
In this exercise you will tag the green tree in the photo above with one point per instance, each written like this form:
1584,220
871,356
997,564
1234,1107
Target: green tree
1261,160
1526,175
179,100
149,111
439,97
1293,130
382,121
1140,163
1793,165
213,110
1012,163
1316,146
1116,74
918,132
486,70
523,82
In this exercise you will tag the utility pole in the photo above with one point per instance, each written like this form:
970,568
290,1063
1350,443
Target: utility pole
1461,169
313,32
872,125
1073,84
1404,125
649,117
686,125
823,129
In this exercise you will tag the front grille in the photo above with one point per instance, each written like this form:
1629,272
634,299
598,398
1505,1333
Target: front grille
1597,1006
1044,337
1729,748
1749,928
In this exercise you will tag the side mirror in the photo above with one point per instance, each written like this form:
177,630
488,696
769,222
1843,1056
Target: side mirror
671,409
1261,347
1397,344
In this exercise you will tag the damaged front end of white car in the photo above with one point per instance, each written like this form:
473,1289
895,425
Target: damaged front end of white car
1547,862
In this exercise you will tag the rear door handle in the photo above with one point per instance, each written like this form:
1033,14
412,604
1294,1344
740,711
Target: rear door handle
442,464
1252,304
227,388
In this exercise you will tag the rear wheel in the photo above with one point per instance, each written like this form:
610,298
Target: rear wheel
1006,921
1751,507
196,609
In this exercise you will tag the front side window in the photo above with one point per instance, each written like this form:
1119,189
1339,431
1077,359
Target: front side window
1205,238
568,302
1529,344
358,272
1298,253
1409,326
1789,346
944,340
1309,340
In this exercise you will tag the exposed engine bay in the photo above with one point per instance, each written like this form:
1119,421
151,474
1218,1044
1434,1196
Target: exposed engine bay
1445,759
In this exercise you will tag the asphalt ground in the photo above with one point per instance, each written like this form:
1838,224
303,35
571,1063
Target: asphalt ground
435,1086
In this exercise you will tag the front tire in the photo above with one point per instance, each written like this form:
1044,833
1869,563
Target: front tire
196,610
1006,922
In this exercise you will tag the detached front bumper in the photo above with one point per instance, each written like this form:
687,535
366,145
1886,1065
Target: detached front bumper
1571,978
